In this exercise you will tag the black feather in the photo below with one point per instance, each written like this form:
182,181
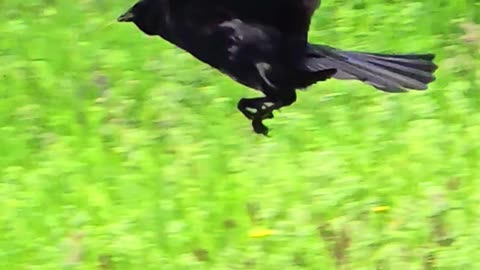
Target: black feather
387,72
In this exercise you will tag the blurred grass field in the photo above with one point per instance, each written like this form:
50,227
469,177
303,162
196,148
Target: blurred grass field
118,151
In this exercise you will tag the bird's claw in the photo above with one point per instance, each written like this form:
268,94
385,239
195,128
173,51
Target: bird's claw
259,127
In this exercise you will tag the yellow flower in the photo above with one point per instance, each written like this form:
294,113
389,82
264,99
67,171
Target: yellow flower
379,209
260,232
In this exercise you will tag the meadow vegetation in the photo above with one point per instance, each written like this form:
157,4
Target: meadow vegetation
119,151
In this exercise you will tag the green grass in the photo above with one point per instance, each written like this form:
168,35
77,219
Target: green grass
118,151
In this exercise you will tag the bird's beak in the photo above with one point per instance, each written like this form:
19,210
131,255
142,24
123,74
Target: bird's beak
126,17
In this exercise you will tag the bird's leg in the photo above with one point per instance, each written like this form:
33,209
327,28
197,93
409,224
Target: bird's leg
257,121
251,106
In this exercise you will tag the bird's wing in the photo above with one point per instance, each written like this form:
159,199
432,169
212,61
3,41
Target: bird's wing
291,17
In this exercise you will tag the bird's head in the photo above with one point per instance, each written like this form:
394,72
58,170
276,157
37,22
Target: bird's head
146,14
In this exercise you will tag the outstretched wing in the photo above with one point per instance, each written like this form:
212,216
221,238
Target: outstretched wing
291,17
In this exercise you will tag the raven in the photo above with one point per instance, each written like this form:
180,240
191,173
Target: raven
263,44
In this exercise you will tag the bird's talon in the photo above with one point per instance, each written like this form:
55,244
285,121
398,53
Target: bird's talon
259,127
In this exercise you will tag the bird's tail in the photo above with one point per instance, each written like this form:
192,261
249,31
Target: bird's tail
387,72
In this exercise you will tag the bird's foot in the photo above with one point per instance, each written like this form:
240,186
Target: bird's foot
252,116
259,127
250,108
258,110
257,122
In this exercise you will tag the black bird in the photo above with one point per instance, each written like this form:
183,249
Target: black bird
263,45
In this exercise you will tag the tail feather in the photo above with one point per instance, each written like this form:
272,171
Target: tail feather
387,72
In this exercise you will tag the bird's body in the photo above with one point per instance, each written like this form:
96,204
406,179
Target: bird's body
263,45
